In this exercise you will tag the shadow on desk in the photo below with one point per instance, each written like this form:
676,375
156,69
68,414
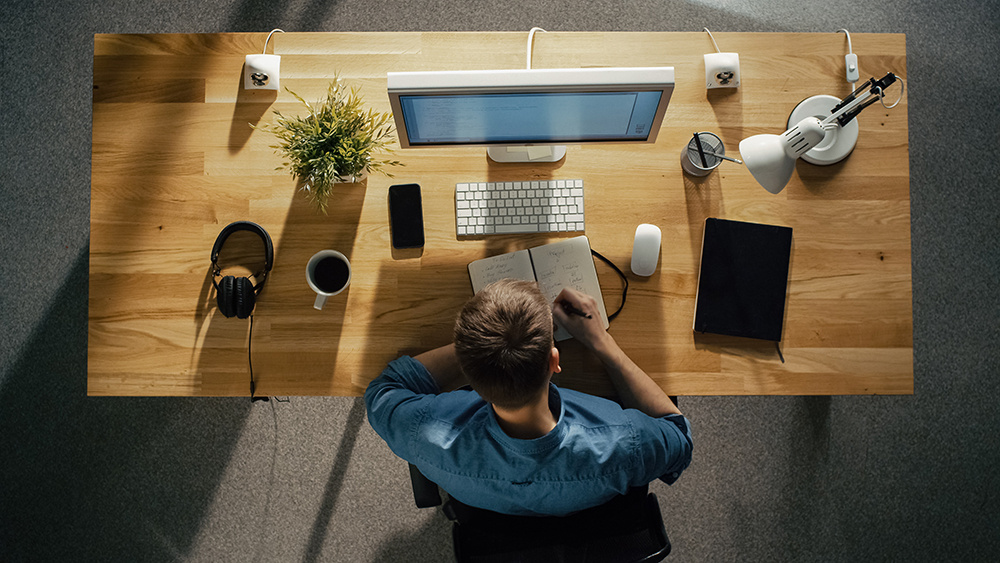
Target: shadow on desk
251,105
721,344
822,180
289,323
703,198
91,478
408,319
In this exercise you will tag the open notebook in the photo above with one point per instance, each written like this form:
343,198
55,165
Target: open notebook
567,263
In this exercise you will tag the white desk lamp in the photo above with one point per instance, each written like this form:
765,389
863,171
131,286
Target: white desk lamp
771,158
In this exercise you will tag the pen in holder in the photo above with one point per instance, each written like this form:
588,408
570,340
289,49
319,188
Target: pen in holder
704,153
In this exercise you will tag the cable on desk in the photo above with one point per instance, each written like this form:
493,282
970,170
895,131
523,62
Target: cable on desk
902,88
850,50
269,38
531,37
624,279
253,385
717,49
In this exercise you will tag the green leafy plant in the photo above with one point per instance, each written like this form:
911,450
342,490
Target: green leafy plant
335,142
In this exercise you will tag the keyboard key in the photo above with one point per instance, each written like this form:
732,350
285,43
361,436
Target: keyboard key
517,228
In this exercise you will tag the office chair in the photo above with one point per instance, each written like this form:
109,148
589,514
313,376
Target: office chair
627,529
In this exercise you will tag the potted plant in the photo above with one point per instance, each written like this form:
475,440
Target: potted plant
335,142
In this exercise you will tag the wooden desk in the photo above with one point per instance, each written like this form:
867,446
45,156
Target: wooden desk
174,161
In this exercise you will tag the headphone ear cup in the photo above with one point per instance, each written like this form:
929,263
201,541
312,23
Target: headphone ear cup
244,298
224,296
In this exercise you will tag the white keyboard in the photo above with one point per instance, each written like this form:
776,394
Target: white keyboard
543,206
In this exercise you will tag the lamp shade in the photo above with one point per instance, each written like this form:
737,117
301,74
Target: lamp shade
765,157
771,158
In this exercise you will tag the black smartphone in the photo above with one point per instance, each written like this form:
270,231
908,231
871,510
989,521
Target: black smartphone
406,216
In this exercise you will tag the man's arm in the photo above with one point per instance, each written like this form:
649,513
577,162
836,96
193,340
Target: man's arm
442,363
634,386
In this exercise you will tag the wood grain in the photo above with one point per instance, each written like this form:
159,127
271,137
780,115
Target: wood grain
175,159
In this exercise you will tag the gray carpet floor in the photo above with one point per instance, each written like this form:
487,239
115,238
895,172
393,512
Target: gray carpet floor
773,479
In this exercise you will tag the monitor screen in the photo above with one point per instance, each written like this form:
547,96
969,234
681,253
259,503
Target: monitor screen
559,117
529,107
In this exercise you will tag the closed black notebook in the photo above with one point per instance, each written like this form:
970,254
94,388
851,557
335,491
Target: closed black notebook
743,279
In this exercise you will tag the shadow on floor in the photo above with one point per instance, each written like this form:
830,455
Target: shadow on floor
430,544
95,478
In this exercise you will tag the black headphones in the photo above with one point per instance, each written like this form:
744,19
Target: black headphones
236,296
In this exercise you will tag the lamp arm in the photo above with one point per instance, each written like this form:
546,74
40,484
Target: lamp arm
858,100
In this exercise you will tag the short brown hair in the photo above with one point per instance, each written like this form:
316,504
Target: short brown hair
503,338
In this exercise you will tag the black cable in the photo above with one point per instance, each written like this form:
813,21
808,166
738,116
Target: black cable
624,279
253,385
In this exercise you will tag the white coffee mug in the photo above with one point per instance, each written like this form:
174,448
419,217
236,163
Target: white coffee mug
327,273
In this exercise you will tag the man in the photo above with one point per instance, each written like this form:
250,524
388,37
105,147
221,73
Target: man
515,443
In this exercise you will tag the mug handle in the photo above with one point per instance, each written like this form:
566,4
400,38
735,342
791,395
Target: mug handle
320,301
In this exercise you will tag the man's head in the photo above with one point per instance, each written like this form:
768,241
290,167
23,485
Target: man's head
503,339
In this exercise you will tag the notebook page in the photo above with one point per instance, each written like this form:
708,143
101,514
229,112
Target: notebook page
568,263
515,265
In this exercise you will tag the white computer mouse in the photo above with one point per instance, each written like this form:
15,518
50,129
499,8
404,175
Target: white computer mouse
645,249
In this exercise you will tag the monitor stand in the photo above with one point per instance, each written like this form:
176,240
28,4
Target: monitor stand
527,153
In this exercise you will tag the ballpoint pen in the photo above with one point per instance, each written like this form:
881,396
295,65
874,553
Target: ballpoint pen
571,310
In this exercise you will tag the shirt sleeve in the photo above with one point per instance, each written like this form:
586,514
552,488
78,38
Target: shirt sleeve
396,399
664,446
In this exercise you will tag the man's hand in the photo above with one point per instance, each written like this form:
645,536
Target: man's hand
588,331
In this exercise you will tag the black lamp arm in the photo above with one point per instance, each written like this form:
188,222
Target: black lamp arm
875,90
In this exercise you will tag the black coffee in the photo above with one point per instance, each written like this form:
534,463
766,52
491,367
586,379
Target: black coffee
331,274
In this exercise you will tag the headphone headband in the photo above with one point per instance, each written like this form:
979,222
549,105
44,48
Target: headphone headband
245,226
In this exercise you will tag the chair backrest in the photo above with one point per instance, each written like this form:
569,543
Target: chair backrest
627,529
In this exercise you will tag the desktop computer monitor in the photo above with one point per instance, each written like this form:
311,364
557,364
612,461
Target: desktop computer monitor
528,115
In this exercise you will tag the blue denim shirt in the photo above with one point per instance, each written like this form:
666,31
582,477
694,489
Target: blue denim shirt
596,451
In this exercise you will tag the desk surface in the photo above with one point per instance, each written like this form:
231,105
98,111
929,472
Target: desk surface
174,161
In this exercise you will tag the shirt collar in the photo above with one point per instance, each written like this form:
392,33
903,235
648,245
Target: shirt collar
536,445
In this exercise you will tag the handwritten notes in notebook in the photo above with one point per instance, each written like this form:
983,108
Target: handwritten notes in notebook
567,263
